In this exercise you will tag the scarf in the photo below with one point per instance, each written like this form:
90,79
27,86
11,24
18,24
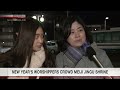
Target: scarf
37,59
77,53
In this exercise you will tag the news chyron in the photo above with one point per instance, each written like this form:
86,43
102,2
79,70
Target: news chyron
13,17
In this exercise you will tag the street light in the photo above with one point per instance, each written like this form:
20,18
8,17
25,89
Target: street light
42,18
39,18
105,22
34,17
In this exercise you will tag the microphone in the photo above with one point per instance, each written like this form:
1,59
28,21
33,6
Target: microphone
92,54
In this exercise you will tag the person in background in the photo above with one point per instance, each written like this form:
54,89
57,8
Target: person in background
77,38
29,50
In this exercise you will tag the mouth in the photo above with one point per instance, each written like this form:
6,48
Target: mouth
39,46
79,40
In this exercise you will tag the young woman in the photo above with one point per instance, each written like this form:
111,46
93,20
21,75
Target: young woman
77,38
30,49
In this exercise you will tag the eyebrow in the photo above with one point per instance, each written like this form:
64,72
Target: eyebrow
39,34
77,28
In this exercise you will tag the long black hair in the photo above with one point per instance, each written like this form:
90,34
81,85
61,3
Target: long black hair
23,47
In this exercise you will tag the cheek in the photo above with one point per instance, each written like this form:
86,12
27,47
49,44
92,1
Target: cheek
84,37
34,45
70,40
42,41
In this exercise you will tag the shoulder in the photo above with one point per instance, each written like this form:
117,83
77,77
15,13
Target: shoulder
59,59
99,52
60,55
102,56
96,48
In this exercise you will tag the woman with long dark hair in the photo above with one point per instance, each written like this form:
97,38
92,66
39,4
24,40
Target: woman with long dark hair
30,49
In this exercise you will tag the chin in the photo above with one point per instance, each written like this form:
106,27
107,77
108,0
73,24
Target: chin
38,49
79,45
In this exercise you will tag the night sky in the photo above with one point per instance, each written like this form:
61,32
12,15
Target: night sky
89,17
98,17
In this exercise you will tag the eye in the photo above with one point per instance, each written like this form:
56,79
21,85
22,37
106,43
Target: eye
37,36
41,35
72,32
81,30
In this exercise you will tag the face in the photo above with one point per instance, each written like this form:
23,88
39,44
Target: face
77,36
39,38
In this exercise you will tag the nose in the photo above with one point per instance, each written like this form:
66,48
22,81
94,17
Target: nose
40,40
77,34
